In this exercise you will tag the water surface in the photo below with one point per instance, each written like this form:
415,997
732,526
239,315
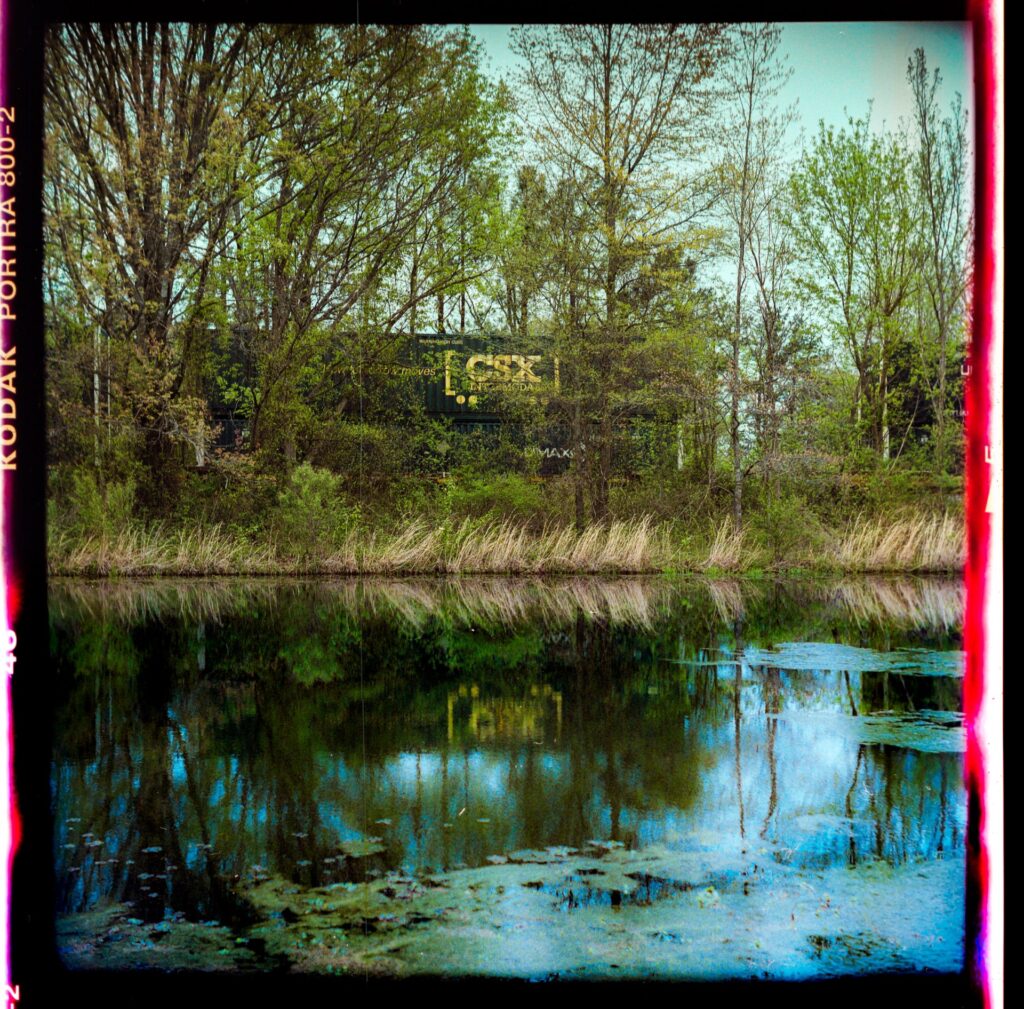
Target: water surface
644,778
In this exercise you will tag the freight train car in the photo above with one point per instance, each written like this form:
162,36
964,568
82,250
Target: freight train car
464,377
457,377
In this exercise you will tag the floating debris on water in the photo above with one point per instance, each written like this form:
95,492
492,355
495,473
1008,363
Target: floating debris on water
362,849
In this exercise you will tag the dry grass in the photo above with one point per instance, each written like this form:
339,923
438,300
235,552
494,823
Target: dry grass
140,551
904,543
730,550
908,543
504,547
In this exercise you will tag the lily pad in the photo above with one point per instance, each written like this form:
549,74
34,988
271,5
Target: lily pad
818,656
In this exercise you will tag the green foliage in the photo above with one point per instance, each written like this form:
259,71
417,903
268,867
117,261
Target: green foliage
667,494
369,454
506,495
236,493
787,527
311,513
94,510
339,189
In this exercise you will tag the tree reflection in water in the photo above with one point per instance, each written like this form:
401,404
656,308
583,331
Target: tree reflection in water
329,733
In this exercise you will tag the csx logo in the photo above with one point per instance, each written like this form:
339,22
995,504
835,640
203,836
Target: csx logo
483,368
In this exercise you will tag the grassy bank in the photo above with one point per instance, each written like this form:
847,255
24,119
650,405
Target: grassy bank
906,543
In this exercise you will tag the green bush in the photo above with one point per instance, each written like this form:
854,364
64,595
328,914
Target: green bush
235,493
391,470
668,495
93,510
787,528
311,515
507,495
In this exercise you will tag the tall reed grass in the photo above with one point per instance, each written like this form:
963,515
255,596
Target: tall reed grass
908,543
904,543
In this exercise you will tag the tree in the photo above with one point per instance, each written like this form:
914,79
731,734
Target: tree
855,229
752,138
620,111
143,170
783,347
257,188
387,148
941,167
893,267
524,251
568,258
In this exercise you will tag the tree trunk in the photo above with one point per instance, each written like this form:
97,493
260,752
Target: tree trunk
604,465
940,454
578,459
96,401
578,453
413,286
734,419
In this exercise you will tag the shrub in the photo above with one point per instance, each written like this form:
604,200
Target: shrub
311,515
667,495
506,496
236,493
787,528
92,510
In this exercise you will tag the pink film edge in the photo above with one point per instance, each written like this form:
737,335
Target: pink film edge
983,630
8,599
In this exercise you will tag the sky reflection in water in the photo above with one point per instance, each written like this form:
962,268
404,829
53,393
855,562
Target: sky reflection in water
328,734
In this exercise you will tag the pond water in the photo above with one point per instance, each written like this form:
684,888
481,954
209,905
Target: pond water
630,778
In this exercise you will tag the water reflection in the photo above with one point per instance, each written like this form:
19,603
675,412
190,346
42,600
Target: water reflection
923,604
213,737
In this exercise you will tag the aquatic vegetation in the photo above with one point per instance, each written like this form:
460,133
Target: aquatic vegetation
639,914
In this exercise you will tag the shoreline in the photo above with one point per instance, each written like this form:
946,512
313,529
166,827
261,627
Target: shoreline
909,545
751,573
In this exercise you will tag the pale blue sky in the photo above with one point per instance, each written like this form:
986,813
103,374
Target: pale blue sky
836,65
